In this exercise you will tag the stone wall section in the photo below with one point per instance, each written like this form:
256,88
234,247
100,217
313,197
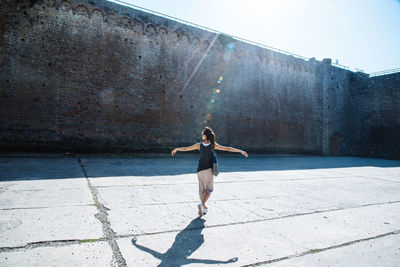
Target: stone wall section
96,76
379,113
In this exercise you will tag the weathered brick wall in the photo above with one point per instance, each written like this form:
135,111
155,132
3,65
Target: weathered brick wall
95,76
377,116
334,86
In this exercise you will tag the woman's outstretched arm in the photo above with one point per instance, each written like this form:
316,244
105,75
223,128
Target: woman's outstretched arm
230,149
187,148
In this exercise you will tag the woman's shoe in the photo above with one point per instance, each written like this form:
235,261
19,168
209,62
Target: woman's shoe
203,210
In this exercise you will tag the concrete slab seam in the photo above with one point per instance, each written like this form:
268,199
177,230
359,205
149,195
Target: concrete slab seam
380,179
228,182
318,250
77,241
48,207
195,201
260,220
185,202
368,177
52,243
169,184
102,216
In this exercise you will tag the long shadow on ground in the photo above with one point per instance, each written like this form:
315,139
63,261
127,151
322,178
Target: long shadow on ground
186,242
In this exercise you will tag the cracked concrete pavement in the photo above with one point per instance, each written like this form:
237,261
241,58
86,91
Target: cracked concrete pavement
142,211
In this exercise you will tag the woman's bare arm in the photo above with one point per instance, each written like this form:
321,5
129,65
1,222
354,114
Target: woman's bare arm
230,149
187,148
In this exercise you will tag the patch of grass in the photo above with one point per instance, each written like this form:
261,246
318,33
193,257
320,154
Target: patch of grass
88,240
315,250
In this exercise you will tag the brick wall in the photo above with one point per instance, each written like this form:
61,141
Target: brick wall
95,76
378,113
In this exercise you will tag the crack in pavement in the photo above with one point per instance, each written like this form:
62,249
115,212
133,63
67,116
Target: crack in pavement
234,199
102,216
24,190
224,182
260,220
48,207
174,184
50,243
368,177
381,179
114,237
196,201
313,251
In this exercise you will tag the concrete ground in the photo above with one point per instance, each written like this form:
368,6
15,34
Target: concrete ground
272,211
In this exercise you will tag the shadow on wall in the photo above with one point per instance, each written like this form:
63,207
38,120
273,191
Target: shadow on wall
186,242
59,168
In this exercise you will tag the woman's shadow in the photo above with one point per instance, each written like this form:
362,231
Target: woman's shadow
186,242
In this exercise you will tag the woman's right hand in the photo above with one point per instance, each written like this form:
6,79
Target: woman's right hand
174,151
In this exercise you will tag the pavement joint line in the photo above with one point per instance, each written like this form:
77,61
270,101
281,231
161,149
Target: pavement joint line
25,190
372,178
379,179
360,175
50,243
49,207
260,220
174,184
314,178
38,190
180,202
55,243
318,250
102,216
228,199
223,200
196,201
369,177
386,180
226,182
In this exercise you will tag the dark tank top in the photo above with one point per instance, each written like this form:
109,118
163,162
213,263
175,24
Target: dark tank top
206,157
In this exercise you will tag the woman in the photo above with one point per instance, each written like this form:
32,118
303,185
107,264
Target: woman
204,169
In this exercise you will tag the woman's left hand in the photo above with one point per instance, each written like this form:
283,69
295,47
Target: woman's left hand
244,153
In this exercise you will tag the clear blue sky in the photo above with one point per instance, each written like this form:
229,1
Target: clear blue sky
363,34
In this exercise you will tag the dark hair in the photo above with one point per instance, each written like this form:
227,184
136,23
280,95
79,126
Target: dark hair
210,135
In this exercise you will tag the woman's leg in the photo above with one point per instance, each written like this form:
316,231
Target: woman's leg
202,187
206,185
205,198
209,187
